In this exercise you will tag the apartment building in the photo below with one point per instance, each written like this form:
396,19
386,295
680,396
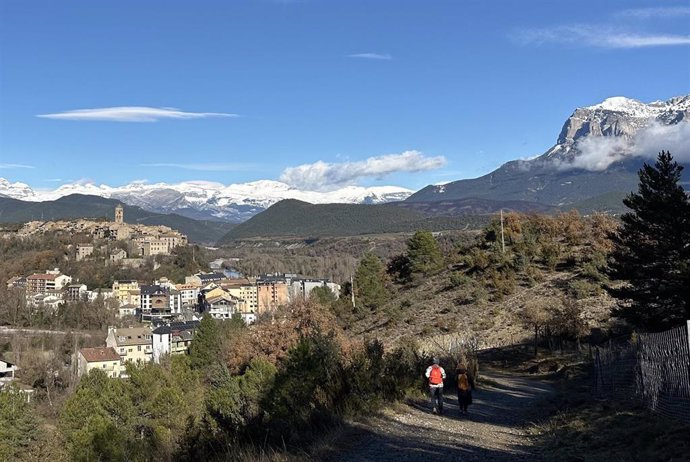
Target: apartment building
155,303
243,289
50,281
188,294
271,295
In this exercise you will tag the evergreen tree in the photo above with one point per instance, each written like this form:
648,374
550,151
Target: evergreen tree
370,288
18,426
206,345
652,250
424,253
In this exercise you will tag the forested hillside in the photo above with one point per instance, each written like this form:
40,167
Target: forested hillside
295,218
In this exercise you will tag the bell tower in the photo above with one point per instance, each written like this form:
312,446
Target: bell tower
119,214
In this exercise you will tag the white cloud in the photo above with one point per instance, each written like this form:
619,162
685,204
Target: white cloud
321,175
596,153
8,166
660,12
218,167
597,36
132,114
379,56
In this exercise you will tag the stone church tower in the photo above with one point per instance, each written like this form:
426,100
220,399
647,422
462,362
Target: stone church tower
119,214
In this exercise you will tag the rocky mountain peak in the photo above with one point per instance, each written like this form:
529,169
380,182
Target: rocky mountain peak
621,117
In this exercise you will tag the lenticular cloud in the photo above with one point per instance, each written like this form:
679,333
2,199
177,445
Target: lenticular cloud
131,114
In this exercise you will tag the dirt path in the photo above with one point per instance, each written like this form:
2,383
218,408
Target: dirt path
494,430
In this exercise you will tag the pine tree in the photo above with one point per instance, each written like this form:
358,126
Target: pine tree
424,253
652,250
18,425
370,288
206,345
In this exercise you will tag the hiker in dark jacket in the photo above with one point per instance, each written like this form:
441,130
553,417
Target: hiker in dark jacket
465,383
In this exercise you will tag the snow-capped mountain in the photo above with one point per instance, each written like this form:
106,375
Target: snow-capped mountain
598,152
208,200
616,117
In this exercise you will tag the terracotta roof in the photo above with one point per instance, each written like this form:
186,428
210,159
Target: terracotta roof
47,277
99,354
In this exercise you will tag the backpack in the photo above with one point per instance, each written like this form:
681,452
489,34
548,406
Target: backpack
463,382
435,377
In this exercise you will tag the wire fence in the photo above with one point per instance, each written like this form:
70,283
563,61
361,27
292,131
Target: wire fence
654,369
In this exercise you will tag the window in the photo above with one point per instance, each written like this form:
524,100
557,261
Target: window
139,348
103,366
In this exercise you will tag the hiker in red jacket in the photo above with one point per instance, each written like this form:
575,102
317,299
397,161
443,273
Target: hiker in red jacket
436,374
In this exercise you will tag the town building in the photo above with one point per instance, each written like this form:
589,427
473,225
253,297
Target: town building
301,288
188,294
83,251
124,290
76,293
243,289
155,303
16,282
131,343
202,279
271,293
51,280
105,359
128,310
171,339
117,255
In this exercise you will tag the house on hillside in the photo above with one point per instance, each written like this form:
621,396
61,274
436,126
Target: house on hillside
131,343
105,359
118,255
83,251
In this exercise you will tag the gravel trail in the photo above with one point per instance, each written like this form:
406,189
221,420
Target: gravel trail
494,429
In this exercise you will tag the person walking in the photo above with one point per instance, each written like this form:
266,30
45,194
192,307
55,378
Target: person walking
436,374
465,383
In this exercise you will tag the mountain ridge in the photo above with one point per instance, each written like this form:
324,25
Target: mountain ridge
205,199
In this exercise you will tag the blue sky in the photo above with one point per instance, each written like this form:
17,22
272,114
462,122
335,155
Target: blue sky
355,92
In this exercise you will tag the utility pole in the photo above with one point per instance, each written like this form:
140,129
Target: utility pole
503,241
352,291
